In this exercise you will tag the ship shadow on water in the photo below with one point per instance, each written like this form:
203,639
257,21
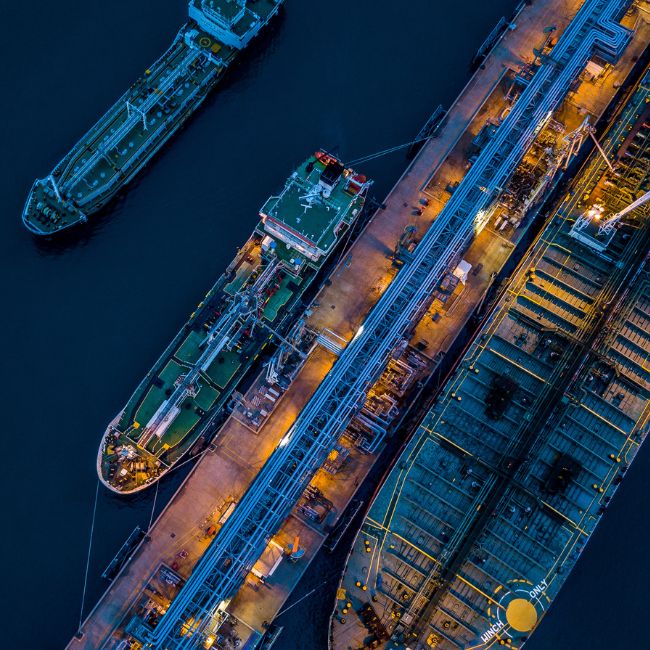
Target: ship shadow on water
82,234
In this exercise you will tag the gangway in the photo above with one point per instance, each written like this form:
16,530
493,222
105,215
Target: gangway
277,487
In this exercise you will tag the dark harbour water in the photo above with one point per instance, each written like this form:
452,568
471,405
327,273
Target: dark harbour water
83,319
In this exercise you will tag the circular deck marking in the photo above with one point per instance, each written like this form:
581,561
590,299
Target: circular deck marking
514,611
521,615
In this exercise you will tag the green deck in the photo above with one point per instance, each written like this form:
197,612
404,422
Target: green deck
156,395
206,397
179,429
189,350
170,373
153,399
279,299
290,270
224,367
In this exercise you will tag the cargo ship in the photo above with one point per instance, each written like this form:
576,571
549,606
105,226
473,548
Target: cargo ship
487,510
123,141
252,305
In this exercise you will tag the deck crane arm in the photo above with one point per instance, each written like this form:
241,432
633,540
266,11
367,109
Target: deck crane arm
573,141
610,222
591,131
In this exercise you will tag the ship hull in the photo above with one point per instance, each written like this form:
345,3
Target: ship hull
129,134
256,302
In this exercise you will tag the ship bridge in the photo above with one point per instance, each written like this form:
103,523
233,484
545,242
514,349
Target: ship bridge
316,204
233,22
268,501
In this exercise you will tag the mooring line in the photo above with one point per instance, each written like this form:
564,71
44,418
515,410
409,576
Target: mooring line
90,546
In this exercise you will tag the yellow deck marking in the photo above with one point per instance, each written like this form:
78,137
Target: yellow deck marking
573,523
478,591
521,615
605,420
514,363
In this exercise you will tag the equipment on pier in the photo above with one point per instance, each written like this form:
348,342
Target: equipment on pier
573,141
294,550
405,246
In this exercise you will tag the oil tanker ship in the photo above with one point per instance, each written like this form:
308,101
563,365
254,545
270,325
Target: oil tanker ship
256,301
121,143
487,510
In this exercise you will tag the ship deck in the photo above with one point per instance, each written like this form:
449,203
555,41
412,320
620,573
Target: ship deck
492,502
312,216
180,357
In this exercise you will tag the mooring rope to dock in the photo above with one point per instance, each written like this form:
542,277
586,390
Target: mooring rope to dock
385,152
334,575
309,593
153,507
90,546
